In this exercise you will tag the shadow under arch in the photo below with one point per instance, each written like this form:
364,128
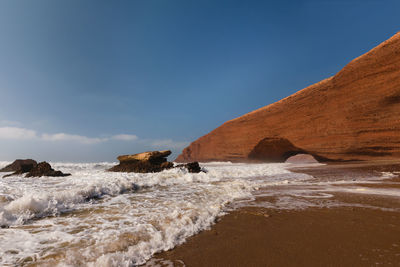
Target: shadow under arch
278,149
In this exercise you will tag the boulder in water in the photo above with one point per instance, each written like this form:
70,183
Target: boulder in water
151,161
20,165
192,167
44,169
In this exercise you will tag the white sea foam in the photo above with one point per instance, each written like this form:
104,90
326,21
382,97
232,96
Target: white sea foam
99,218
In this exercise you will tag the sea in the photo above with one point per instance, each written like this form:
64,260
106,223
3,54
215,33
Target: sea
100,218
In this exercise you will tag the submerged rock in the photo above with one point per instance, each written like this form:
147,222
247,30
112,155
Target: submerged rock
192,167
151,161
44,169
20,165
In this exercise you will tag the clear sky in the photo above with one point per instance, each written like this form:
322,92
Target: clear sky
89,80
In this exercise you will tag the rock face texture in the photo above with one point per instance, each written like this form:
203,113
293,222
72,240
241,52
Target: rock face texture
44,169
152,161
20,165
192,167
153,156
32,168
354,115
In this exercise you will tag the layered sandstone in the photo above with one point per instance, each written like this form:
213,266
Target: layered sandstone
151,161
145,156
354,115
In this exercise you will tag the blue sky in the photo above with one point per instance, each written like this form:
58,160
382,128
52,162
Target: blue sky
89,80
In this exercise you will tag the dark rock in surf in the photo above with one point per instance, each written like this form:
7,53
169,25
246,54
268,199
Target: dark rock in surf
44,169
20,165
151,161
167,165
192,167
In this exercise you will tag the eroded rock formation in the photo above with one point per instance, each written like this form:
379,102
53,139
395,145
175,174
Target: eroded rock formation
45,169
273,149
354,115
32,169
20,166
152,161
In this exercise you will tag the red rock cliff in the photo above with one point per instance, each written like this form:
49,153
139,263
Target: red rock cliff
354,115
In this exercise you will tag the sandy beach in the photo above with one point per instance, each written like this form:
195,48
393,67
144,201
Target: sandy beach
354,228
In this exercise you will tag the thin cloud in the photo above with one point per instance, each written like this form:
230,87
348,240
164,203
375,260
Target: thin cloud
125,137
16,133
168,143
12,132
73,137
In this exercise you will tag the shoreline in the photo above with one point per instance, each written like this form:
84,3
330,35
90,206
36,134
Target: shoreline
363,232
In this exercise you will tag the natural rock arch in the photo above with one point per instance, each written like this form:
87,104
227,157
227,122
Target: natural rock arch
274,149
277,149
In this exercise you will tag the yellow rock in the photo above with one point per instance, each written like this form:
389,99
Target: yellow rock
145,156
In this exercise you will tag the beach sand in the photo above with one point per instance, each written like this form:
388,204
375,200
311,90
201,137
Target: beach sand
366,232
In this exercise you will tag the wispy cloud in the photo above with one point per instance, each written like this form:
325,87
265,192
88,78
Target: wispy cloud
125,137
73,137
168,143
17,133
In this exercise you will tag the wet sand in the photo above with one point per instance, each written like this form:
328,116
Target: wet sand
318,236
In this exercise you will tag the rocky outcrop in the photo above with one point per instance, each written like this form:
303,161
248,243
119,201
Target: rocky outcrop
152,161
151,156
354,115
20,166
32,169
44,169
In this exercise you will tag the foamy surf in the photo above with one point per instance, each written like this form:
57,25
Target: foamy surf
99,218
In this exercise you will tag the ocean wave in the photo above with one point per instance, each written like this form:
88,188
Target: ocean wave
100,218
